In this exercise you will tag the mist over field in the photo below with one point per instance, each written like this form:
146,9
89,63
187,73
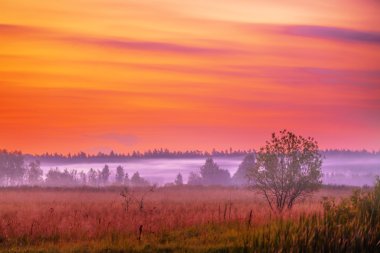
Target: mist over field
182,126
336,171
356,172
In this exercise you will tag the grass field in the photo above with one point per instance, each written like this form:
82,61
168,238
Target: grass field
173,219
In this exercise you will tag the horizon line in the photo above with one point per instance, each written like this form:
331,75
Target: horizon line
172,151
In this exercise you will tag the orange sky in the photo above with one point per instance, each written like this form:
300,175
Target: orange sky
96,75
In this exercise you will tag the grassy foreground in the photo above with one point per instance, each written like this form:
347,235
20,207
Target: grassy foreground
352,225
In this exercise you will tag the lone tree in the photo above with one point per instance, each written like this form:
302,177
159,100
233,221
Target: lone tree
287,168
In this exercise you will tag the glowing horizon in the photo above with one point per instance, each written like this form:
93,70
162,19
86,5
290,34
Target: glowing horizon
133,75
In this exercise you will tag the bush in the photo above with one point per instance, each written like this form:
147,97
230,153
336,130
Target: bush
353,225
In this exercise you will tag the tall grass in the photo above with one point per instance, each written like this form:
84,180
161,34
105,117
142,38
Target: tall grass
187,220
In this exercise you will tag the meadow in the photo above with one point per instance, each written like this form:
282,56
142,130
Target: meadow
177,219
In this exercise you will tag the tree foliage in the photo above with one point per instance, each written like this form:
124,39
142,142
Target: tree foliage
212,175
12,169
240,177
287,168
137,180
120,174
92,177
35,173
104,175
194,179
178,179
55,177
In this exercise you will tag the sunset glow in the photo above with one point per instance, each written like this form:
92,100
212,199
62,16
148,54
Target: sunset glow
97,75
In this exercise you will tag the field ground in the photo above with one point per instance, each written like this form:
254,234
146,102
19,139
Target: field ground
173,219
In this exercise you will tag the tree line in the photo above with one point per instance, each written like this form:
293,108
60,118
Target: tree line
14,170
149,154
167,154
97,178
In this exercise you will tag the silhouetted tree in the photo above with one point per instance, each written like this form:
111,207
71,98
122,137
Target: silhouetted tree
178,179
119,178
288,167
213,175
92,177
12,169
83,178
240,177
136,180
55,177
35,173
194,179
104,175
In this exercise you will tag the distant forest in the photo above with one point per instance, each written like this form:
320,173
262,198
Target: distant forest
16,171
112,156
20,169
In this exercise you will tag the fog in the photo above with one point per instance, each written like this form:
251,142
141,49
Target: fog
354,172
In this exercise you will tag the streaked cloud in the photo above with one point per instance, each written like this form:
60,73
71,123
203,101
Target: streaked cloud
190,74
145,45
331,33
109,42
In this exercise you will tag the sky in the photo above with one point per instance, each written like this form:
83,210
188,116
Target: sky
101,75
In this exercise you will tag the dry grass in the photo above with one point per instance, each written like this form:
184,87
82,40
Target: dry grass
34,215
